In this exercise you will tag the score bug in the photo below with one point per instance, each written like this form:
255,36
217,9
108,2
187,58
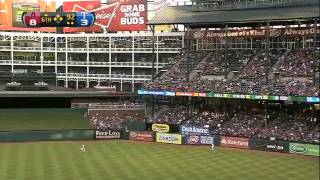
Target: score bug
84,19
53,19
31,19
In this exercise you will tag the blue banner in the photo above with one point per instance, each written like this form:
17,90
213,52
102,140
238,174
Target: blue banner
197,139
191,129
313,99
162,93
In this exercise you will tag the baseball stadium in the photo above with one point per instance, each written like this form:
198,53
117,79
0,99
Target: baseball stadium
159,89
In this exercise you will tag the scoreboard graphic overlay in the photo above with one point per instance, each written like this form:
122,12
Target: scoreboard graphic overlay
54,19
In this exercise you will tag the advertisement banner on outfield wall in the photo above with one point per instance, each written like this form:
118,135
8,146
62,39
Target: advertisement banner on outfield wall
305,149
107,134
191,129
168,138
235,142
198,140
160,128
269,145
141,136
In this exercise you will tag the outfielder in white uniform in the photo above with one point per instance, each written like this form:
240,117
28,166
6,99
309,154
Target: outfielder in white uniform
83,148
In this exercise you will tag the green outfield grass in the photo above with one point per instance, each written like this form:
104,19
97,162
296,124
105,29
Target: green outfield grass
42,119
119,159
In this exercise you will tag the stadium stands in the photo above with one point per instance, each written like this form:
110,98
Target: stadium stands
255,74
248,123
115,115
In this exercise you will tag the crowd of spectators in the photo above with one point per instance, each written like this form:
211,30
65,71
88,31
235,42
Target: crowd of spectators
298,63
285,127
178,72
279,125
115,115
174,115
213,65
251,79
293,87
211,118
101,120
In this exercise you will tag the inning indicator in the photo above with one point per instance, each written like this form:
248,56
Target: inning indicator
53,19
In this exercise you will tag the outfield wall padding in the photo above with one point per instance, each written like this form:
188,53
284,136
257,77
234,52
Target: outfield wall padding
305,149
46,135
269,145
201,139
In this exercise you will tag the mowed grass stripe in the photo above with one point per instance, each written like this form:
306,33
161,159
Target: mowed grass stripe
138,160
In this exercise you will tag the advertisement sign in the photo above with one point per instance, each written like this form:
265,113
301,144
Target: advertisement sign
116,15
162,93
273,98
160,127
184,94
191,129
196,139
305,149
168,138
141,136
234,142
313,99
254,33
269,145
108,134
297,98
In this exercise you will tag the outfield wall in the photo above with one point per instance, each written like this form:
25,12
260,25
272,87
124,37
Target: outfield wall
161,137
45,135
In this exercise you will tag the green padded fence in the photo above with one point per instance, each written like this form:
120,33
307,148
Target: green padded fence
44,135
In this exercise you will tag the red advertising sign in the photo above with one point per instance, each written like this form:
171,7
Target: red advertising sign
119,15
184,94
130,16
141,136
234,142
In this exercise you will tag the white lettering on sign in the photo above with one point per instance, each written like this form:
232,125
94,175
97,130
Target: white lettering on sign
132,14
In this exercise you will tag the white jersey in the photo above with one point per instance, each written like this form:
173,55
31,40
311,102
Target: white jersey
212,146
83,148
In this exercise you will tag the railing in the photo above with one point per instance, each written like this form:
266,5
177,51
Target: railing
210,5
104,76
115,106
84,63
90,49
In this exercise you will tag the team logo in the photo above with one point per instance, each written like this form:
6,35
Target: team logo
104,14
193,139
133,134
198,35
275,32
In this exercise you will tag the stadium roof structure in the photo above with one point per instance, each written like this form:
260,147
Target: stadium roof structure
186,16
